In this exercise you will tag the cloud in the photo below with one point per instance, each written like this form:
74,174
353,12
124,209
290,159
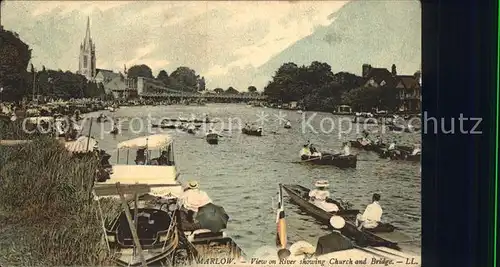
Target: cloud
219,40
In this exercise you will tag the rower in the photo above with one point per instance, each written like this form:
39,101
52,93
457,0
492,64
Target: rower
392,146
314,151
347,149
372,216
319,195
305,153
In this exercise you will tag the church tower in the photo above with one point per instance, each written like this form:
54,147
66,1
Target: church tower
86,65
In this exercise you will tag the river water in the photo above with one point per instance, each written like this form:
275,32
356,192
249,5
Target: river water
242,172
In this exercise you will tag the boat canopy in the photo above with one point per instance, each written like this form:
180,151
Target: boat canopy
81,145
160,181
150,141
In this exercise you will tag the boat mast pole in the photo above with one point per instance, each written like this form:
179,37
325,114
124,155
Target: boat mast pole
136,214
131,225
88,139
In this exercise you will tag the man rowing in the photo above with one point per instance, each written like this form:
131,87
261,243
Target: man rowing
319,196
314,151
346,149
372,216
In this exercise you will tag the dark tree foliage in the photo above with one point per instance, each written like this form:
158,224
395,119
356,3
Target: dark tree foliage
315,87
252,89
14,58
231,91
140,71
185,79
219,90
163,76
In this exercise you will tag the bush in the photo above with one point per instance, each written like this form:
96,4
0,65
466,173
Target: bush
45,197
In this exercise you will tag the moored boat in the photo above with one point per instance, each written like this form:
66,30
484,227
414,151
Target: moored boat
288,125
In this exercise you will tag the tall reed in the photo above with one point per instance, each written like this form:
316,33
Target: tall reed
45,198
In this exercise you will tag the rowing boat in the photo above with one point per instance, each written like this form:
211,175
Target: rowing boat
341,161
212,138
384,235
255,132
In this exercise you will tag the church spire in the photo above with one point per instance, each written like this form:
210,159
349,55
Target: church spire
87,41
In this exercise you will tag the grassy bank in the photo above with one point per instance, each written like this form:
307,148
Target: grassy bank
47,216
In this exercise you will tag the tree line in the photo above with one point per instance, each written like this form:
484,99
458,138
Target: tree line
317,88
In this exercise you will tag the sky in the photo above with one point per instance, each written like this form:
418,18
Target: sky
216,39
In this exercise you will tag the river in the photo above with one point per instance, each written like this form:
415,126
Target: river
242,172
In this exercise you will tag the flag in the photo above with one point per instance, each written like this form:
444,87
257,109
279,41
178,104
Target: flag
280,222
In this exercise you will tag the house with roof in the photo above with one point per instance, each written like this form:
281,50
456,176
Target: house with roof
104,76
409,92
377,77
121,87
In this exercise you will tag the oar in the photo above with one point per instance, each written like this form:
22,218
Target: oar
376,254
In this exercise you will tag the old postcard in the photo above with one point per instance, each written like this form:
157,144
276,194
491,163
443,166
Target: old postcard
210,133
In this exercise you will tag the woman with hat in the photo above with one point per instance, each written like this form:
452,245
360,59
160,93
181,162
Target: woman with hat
194,198
319,195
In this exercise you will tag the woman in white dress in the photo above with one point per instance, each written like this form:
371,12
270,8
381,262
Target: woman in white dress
319,195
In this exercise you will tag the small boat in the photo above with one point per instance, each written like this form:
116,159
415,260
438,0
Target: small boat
183,119
288,125
250,131
300,111
338,160
400,154
212,138
367,146
164,125
384,235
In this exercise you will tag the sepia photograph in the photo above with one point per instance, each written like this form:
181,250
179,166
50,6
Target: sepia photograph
210,133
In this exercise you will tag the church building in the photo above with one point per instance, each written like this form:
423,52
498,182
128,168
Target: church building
86,66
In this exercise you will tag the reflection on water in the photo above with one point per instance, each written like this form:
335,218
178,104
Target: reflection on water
242,172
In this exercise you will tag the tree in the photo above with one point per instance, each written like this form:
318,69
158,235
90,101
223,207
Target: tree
184,78
218,90
163,76
252,89
14,58
140,71
231,91
201,84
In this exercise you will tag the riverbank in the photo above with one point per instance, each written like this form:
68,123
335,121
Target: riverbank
46,210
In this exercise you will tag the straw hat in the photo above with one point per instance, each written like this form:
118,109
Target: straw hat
302,247
322,183
193,185
337,222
